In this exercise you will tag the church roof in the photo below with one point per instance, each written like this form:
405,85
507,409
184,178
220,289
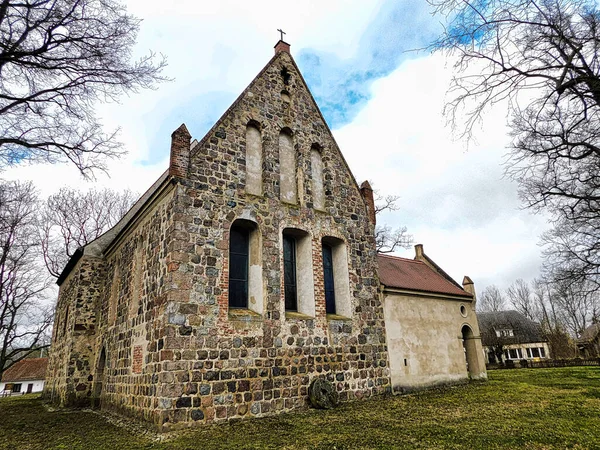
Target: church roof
26,369
408,274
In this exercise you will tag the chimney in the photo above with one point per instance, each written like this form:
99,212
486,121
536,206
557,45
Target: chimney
420,256
419,252
468,285
282,46
367,193
180,152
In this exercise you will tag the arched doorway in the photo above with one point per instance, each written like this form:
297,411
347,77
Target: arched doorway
99,378
470,349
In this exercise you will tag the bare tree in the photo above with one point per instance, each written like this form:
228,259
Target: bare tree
572,248
24,317
553,326
542,58
57,59
72,219
520,296
491,299
579,306
388,239
545,301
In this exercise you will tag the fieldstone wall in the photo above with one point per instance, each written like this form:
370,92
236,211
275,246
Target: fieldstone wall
132,304
70,366
55,388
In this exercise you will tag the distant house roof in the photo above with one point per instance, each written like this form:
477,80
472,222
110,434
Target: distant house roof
409,274
590,333
26,369
525,331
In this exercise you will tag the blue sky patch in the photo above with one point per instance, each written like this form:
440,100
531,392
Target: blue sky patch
199,114
342,86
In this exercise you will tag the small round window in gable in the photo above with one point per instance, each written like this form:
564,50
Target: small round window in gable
463,310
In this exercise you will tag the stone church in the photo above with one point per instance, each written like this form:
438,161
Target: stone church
248,270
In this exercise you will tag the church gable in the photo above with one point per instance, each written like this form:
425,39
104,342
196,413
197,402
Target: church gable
268,173
274,142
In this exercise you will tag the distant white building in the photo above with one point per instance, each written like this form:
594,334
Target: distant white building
509,335
25,377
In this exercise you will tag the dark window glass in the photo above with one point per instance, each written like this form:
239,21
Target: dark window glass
542,352
535,352
16,387
238,267
289,273
328,279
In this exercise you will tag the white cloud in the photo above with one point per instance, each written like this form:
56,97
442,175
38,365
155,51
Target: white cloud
211,47
454,200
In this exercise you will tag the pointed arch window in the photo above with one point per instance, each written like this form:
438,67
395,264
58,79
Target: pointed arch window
114,294
298,282
136,287
239,239
316,165
289,273
328,279
245,266
336,279
287,167
253,159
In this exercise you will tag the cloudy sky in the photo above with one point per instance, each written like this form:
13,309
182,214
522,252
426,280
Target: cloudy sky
381,97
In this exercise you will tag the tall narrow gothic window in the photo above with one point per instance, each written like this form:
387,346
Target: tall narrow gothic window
316,163
298,272
245,266
336,279
289,273
287,168
238,267
328,279
136,287
253,160
115,290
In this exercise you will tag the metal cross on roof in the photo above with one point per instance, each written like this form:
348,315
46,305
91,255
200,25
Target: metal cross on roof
281,32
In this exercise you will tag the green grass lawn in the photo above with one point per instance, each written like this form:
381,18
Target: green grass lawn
523,409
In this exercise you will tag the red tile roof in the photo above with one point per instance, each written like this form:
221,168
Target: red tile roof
27,369
402,273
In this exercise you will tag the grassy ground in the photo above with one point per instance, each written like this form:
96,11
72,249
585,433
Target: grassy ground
524,409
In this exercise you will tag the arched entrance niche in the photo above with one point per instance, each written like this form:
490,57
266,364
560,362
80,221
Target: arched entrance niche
99,378
470,349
